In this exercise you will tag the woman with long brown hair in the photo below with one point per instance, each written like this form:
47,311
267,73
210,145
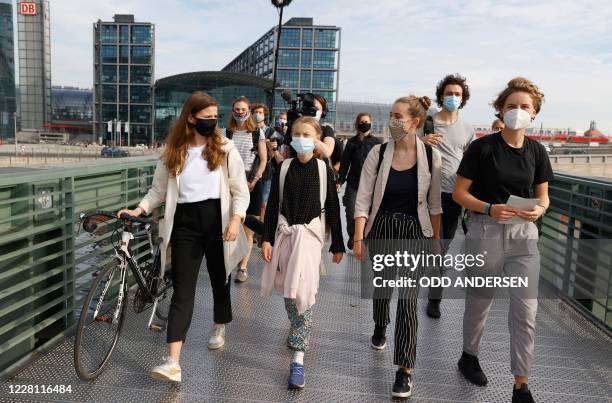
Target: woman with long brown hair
200,178
251,145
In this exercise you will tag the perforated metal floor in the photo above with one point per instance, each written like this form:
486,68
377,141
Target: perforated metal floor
572,364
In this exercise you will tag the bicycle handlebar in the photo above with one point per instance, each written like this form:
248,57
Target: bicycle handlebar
124,216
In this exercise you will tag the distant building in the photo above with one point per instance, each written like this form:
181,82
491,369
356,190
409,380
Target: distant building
309,58
7,71
71,104
123,80
33,28
347,113
171,92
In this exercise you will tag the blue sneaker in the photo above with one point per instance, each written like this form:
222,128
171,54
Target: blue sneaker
296,376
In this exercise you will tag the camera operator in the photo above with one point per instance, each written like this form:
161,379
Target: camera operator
277,148
313,105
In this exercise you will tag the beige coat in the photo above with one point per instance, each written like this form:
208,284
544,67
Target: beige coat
369,184
234,200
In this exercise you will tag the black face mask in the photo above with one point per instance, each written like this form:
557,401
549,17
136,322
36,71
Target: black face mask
364,127
205,127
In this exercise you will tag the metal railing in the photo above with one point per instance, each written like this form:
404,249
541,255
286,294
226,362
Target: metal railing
576,244
45,269
580,159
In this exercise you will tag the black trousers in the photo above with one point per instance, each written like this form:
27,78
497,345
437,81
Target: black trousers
451,211
197,232
388,235
255,202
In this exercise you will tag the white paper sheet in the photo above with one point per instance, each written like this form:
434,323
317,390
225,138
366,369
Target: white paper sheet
522,204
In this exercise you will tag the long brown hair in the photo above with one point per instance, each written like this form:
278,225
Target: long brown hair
249,124
182,135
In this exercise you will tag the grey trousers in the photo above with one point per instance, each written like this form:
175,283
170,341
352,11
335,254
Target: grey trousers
511,250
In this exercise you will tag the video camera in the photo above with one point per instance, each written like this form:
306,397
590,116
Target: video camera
302,106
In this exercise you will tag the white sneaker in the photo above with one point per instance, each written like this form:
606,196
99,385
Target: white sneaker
168,371
217,339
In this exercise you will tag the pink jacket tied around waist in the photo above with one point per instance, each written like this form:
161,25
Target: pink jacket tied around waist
296,256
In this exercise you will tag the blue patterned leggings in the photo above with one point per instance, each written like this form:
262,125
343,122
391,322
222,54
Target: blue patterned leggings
300,326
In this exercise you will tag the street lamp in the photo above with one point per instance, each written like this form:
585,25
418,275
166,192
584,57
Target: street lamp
280,5
15,123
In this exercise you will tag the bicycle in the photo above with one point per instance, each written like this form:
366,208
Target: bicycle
104,308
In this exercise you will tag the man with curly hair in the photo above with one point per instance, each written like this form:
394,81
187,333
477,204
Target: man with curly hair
451,136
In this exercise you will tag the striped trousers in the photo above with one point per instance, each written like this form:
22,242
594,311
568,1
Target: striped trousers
391,233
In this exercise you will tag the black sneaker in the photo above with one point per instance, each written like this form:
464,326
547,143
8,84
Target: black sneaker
470,368
433,308
522,395
379,341
402,387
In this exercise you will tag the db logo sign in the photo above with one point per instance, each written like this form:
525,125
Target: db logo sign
27,8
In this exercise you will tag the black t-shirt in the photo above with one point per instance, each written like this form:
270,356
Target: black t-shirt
327,131
498,170
401,192
337,153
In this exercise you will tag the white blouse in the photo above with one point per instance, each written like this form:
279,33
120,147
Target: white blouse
197,182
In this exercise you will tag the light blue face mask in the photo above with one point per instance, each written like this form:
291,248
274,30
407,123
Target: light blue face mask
451,103
302,145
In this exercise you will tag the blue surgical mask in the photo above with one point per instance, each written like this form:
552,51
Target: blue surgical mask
451,103
302,145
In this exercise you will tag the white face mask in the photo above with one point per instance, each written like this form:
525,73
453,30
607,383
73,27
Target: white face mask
517,119
318,115
258,117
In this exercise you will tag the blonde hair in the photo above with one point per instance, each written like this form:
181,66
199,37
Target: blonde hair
417,106
519,84
310,121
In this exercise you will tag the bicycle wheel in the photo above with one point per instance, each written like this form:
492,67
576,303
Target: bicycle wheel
100,322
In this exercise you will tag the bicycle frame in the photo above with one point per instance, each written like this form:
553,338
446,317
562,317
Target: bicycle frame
126,258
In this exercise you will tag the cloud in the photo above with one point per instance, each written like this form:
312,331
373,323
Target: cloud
389,47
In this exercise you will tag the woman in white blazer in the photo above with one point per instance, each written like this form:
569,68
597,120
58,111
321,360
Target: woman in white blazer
398,208
200,178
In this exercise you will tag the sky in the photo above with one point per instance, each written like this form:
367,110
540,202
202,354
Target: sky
389,48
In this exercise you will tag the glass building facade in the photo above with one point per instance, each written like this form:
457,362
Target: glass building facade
171,93
347,113
71,104
308,61
124,66
33,29
7,71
